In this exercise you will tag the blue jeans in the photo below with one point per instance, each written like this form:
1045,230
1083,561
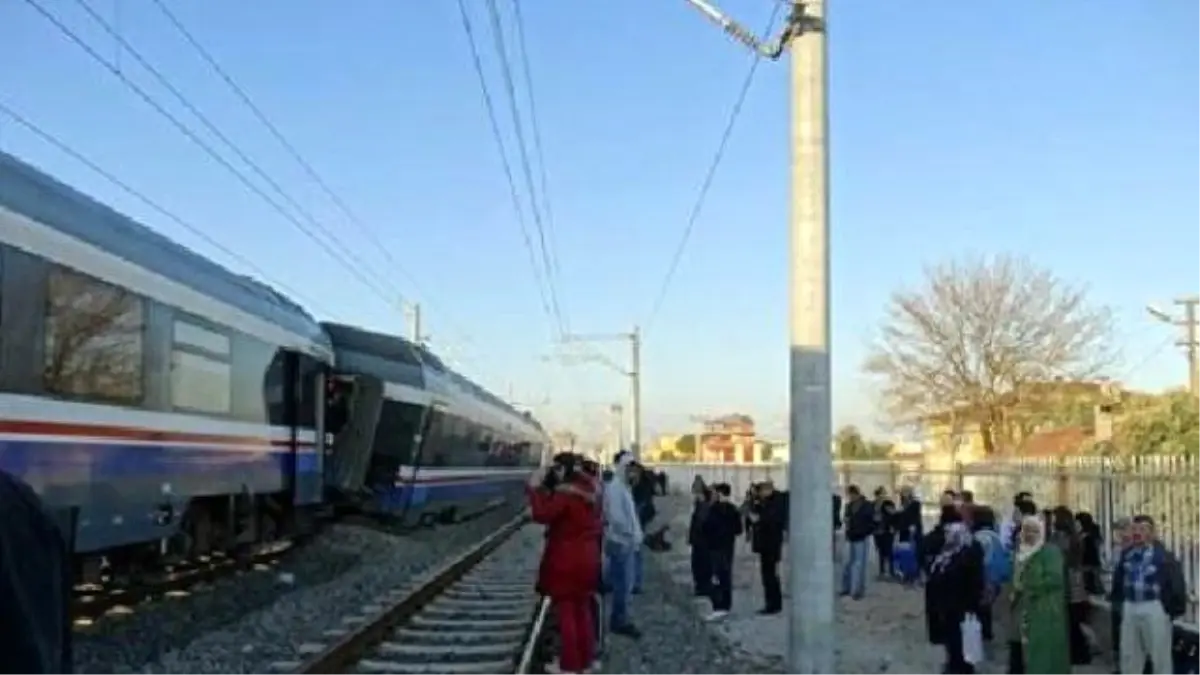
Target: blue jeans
854,570
620,584
637,570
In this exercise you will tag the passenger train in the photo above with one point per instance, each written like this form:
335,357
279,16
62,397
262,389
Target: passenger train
160,403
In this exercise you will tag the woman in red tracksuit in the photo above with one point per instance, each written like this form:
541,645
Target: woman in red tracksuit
570,567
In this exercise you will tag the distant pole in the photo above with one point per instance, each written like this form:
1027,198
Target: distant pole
1189,318
635,383
1189,342
414,322
813,631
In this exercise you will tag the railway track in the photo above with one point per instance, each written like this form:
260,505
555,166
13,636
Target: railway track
478,613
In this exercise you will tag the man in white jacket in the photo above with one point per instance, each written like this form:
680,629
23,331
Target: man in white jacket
622,538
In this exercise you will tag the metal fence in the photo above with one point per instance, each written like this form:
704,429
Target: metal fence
1166,488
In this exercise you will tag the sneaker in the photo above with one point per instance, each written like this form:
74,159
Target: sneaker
716,615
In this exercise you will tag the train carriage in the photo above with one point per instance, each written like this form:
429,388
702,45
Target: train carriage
145,390
417,439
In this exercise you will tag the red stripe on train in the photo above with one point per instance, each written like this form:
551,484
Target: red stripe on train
124,433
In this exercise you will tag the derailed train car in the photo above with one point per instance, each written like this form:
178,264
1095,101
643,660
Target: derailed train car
415,438
159,403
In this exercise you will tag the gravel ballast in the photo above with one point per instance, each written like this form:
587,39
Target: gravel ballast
244,623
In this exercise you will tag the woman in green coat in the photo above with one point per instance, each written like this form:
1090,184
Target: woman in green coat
1039,601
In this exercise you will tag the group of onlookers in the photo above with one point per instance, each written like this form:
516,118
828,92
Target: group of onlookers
1045,566
595,530
717,523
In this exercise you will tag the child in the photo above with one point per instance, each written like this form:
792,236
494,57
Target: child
722,527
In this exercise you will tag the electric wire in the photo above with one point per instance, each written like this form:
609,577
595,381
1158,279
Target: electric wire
709,175
220,135
523,156
307,166
490,109
206,147
287,145
71,152
539,154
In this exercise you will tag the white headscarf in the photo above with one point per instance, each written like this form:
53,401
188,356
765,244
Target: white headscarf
1025,551
958,537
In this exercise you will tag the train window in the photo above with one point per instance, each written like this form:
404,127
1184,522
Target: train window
193,337
257,381
93,339
199,383
201,377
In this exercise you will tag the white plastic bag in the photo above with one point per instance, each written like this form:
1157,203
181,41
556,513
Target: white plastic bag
972,640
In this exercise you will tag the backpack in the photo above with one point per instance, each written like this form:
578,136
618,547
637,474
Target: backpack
996,559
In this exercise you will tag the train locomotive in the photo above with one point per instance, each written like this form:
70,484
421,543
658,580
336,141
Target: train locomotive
163,406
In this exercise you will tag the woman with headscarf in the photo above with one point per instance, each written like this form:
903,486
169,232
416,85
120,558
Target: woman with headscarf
1038,607
1065,535
954,590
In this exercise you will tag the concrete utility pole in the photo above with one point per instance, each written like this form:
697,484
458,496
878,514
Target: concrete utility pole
634,373
1189,342
413,311
812,633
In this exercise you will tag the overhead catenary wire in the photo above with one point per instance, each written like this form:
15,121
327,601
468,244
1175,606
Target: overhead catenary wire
71,152
539,154
523,157
206,147
489,107
287,145
338,201
381,285
709,175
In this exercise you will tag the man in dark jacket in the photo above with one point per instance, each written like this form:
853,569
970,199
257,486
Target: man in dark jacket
35,584
701,565
860,525
769,514
642,486
722,527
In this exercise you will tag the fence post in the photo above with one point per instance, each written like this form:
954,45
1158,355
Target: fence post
960,482
1063,481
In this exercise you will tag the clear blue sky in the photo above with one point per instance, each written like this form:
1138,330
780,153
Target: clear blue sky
1063,130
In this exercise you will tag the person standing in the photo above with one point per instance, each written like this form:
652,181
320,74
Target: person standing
722,527
567,501
642,487
860,523
622,538
885,532
701,565
1039,608
909,531
956,583
1148,583
769,515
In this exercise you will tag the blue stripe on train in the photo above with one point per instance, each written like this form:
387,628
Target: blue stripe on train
468,489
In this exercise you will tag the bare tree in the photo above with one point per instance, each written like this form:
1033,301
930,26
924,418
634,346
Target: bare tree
979,332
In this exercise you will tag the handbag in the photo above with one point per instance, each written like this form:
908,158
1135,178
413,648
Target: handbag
972,639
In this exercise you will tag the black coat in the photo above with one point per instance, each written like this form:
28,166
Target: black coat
772,522
35,585
953,591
